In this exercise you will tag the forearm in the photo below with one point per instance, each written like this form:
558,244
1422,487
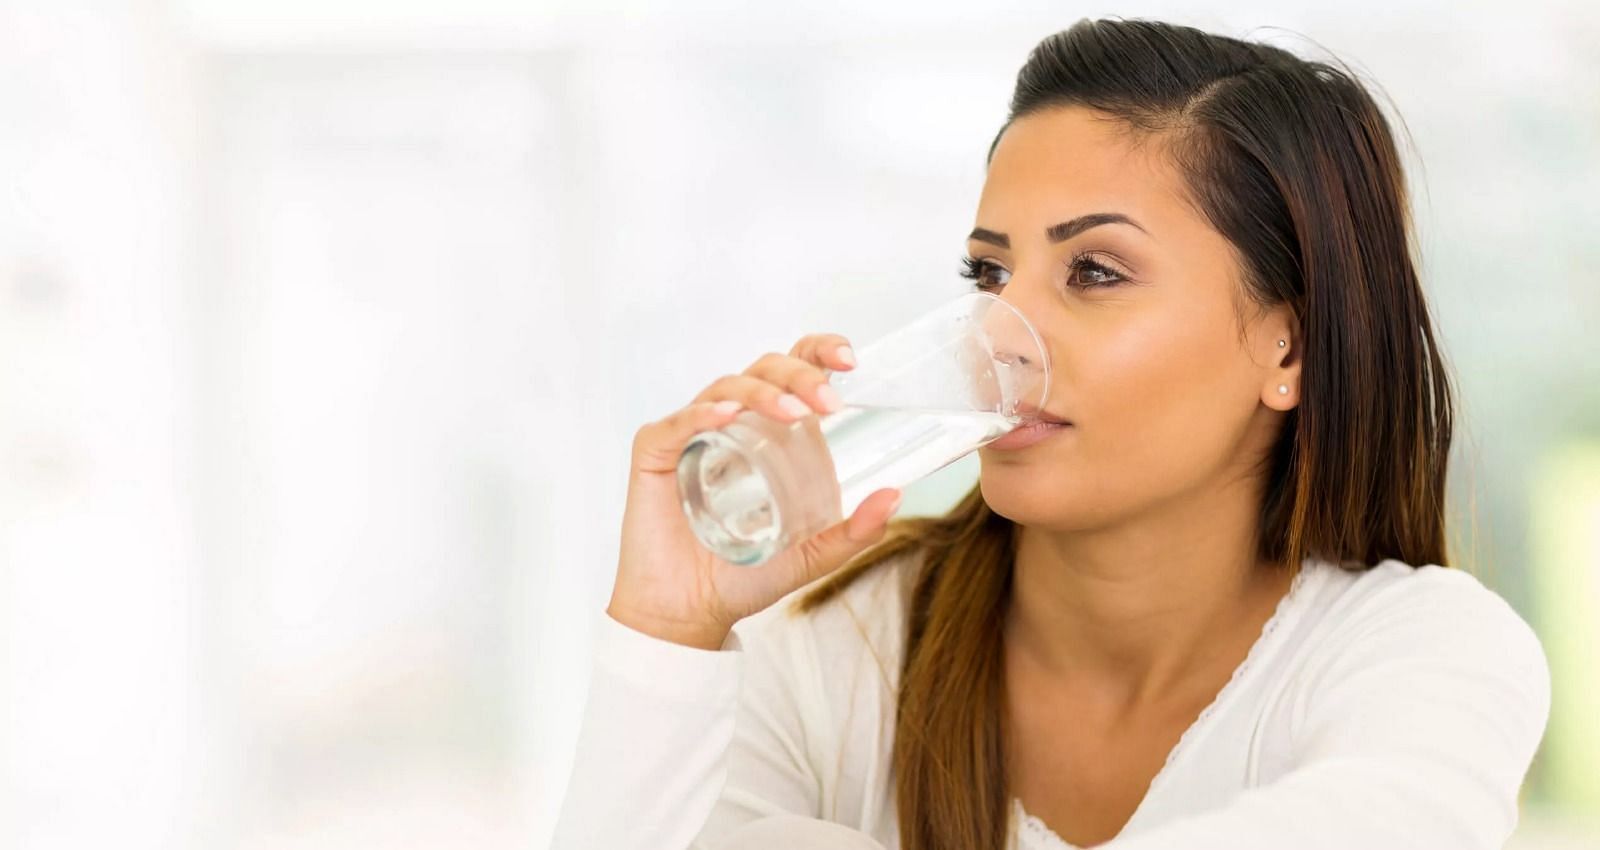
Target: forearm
652,753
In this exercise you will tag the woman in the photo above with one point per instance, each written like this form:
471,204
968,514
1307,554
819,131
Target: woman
1208,609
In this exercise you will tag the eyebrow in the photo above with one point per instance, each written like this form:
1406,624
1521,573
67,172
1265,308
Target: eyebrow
1060,232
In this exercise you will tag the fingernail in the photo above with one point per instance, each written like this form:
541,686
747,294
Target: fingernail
895,505
723,408
848,356
792,405
830,398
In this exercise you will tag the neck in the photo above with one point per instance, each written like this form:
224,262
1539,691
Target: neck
1138,609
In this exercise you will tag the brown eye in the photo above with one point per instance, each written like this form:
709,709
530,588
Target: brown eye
1086,273
983,274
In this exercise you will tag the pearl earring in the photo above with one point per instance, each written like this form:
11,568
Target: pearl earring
1283,389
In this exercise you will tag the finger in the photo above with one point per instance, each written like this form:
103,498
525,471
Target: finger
830,351
658,445
799,377
828,550
759,395
875,512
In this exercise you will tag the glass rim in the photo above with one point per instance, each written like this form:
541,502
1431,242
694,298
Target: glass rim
1033,333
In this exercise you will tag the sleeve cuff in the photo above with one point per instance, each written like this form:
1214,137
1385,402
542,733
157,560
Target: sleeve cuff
668,670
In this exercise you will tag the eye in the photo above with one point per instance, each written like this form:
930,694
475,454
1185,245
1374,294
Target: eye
981,273
1083,272
1092,274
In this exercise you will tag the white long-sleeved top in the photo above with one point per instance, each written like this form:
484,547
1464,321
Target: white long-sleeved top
1396,707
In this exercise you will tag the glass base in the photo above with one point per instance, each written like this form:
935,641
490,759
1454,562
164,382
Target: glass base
731,504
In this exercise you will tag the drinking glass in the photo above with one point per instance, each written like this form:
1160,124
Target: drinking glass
920,398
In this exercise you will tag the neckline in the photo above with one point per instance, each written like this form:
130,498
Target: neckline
1039,830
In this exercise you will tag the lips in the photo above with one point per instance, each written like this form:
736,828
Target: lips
1027,434
1034,413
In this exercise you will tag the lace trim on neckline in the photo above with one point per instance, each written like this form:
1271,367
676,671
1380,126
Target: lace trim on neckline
1033,834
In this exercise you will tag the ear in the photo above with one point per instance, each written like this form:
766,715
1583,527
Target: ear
1280,389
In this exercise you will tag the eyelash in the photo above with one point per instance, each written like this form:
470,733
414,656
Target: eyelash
975,270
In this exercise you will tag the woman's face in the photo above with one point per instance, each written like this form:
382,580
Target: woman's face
1166,370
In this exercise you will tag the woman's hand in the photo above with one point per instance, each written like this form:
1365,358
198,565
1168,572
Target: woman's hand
669,585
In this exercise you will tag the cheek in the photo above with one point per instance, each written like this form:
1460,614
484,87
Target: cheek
1161,393
1150,362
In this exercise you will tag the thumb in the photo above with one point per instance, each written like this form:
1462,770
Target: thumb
825,551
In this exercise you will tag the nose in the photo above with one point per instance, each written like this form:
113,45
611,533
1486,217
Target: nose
1014,358
1016,344
1015,339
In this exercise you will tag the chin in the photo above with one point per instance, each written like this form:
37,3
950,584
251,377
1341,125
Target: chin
1033,495
1024,496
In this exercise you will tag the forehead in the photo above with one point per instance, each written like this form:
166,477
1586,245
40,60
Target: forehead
1064,161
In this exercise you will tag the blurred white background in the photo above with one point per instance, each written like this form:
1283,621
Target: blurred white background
325,327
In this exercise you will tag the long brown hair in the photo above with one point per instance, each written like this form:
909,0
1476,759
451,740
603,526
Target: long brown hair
1292,161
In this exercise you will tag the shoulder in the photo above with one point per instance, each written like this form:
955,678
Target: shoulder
1396,598
1420,626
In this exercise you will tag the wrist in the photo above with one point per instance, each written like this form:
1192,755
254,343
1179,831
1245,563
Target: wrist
707,636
